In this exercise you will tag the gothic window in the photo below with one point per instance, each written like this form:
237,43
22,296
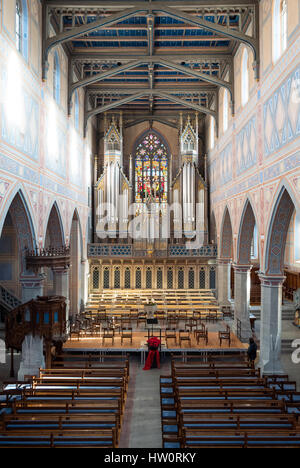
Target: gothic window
212,278
151,170
149,278
96,278
279,28
138,279
170,278
56,78
202,279
117,279
127,279
245,77
191,279
19,25
181,278
159,279
106,279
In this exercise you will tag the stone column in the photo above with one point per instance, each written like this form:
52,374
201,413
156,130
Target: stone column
32,287
61,279
224,266
242,284
271,325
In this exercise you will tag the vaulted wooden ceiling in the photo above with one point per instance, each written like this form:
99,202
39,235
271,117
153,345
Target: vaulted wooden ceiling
151,59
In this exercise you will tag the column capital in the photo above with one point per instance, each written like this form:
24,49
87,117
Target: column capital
271,281
32,281
61,270
242,268
224,261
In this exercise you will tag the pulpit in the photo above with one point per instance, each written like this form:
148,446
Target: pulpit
33,328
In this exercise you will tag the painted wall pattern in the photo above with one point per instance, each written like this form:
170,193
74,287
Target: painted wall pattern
246,149
25,160
282,114
265,158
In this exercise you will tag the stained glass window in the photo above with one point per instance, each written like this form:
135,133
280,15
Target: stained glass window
151,170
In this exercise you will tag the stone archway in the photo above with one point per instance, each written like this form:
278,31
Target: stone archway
28,284
57,282
76,268
54,232
225,259
272,279
242,273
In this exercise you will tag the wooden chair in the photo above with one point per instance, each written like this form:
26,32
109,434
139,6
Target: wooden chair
171,335
190,324
108,333
225,335
227,312
212,316
201,333
184,336
126,334
141,318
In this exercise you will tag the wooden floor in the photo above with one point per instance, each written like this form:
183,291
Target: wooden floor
140,338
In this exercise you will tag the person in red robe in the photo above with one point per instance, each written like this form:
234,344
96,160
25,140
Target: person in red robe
153,359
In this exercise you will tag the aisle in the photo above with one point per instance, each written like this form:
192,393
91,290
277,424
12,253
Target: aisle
142,421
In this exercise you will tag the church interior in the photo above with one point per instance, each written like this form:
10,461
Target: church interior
150,224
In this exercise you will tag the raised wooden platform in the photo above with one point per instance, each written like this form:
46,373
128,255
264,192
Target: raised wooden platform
139,343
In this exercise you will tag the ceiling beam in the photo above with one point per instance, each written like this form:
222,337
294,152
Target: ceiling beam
111,56
99,77
150,92
153,61
186,4
148,8
232,34
79,31
171,89
203,76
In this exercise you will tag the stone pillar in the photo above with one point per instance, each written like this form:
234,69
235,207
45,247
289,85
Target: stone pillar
242,284
271,325
32,356
61,285
224,266
32,287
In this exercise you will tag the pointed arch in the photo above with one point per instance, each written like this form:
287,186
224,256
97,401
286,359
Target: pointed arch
213,228
245,235
19,196
151,153
77,270
22,220
76,218
54,234
278,226
226,237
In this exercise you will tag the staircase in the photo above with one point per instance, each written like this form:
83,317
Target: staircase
288,311
7,300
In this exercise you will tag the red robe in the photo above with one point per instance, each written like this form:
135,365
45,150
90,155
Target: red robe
153,353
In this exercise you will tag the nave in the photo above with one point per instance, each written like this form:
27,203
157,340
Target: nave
215,402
